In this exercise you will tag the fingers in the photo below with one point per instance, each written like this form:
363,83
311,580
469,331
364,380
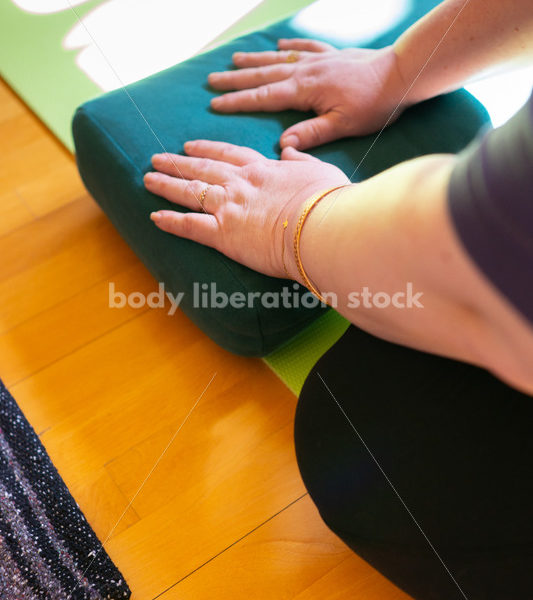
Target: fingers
313,132
305,45
260,59
290,153
198,227
195,194
187,167
272,57
249,78
271,98
222,151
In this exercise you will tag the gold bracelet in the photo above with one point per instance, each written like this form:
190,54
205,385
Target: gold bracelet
285,223
297,235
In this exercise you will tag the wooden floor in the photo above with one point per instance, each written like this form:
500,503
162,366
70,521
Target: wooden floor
224,514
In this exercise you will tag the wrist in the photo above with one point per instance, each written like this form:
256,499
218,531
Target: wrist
398,71
417,85
285,228
394,96
291,226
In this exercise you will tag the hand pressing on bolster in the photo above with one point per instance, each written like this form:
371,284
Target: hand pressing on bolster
353,91
240,198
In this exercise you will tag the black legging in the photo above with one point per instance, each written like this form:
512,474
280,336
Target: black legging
457,446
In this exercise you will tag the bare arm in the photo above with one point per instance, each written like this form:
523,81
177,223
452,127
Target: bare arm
395,229
463,40
357,91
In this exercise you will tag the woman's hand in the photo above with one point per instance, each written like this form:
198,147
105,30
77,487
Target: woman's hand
248,198
353,91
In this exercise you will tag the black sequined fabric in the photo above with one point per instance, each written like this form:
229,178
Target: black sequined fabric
47,548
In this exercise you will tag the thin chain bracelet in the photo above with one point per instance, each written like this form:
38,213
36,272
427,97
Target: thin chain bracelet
285,223
297,235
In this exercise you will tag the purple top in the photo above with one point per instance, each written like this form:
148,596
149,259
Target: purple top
491,203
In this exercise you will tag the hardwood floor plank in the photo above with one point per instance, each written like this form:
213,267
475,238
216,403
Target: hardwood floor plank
10,104
48,236
13,212
59,185
141,363
292,557
55,258
104,505
17,131
34,163
226,433
212,507
69,325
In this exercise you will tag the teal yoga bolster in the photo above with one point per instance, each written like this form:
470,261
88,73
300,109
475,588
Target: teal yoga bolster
116,134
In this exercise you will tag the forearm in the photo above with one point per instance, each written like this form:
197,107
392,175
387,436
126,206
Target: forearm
457,42
393,231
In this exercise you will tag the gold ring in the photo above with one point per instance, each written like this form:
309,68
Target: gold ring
293,56
203,195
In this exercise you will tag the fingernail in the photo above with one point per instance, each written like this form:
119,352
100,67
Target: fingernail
155,216
216,102
290,140
238,55
149,177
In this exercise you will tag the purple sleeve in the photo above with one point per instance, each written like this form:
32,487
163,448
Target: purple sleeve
490,199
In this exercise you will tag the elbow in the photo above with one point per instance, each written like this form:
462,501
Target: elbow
523,382
510,359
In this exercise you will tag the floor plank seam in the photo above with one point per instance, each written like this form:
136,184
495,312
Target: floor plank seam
78,348
26,204
231,545
39,217
63,301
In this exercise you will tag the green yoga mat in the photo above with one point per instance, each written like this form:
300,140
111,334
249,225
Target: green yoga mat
49,54
50,49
